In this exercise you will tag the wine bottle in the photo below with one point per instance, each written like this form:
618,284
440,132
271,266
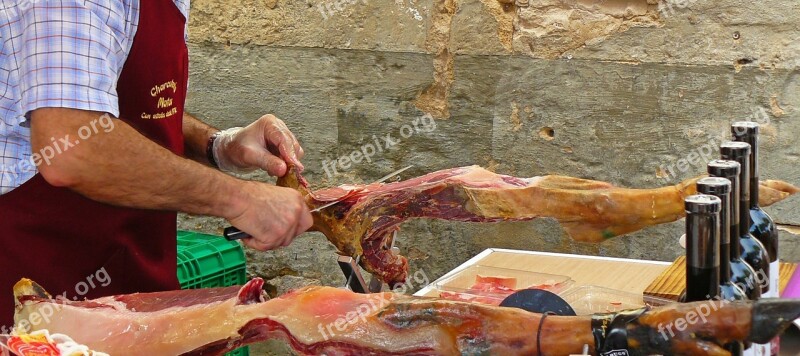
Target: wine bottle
742,274
762,226
702,242
753,252
721,188
728,291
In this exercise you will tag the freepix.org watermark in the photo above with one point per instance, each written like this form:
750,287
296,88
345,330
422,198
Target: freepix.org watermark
699,157
364,310
698,315
703,310
667,8
329,8
377,145
98,279
46,154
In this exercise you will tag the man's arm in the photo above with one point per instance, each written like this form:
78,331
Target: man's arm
121,167
196,134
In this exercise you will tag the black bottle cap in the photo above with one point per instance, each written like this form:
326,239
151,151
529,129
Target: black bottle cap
724,168
736,151
714,186
742,129
703,204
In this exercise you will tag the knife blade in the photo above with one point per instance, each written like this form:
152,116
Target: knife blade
383,179
232,233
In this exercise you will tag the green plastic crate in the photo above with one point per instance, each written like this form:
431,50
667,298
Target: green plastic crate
243,351
208,261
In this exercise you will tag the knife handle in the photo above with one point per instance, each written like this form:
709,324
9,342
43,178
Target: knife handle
232,234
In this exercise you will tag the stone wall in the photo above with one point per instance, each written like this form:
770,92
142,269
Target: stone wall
614,90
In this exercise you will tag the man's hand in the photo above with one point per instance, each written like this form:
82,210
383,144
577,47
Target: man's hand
272,215
266,144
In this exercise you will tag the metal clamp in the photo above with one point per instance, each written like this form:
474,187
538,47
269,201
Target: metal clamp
355,280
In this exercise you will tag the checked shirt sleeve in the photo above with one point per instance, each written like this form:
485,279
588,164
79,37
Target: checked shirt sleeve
71,54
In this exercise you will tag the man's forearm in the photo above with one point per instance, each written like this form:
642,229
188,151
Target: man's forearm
196,134
122,167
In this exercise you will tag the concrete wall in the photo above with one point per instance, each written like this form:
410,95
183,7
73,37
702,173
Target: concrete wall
614,90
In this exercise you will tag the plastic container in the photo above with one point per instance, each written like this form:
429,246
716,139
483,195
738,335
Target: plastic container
207,261
464,284
592,299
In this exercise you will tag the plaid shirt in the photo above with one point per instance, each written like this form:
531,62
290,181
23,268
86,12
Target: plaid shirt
58,53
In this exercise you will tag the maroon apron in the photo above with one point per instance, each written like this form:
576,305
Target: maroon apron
86,249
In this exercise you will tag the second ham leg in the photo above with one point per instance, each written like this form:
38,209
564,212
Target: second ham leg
590,211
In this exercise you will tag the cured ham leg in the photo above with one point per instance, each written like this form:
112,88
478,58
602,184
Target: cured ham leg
591,211
331,321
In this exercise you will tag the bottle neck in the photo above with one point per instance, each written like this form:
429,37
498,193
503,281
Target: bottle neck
751,138
744,198
735,216
725,239
754,182
702,240
735,252
702,257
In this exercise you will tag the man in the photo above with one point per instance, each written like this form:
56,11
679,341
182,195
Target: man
85,196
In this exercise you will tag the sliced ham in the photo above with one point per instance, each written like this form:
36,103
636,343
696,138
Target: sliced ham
494,289
331,321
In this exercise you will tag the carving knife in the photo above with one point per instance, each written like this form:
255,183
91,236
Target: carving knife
232,233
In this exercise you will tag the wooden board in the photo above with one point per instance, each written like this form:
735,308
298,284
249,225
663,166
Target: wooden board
626,275
671,283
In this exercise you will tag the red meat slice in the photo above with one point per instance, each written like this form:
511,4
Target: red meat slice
493,290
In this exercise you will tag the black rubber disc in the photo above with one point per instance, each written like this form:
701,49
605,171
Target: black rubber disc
538,301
